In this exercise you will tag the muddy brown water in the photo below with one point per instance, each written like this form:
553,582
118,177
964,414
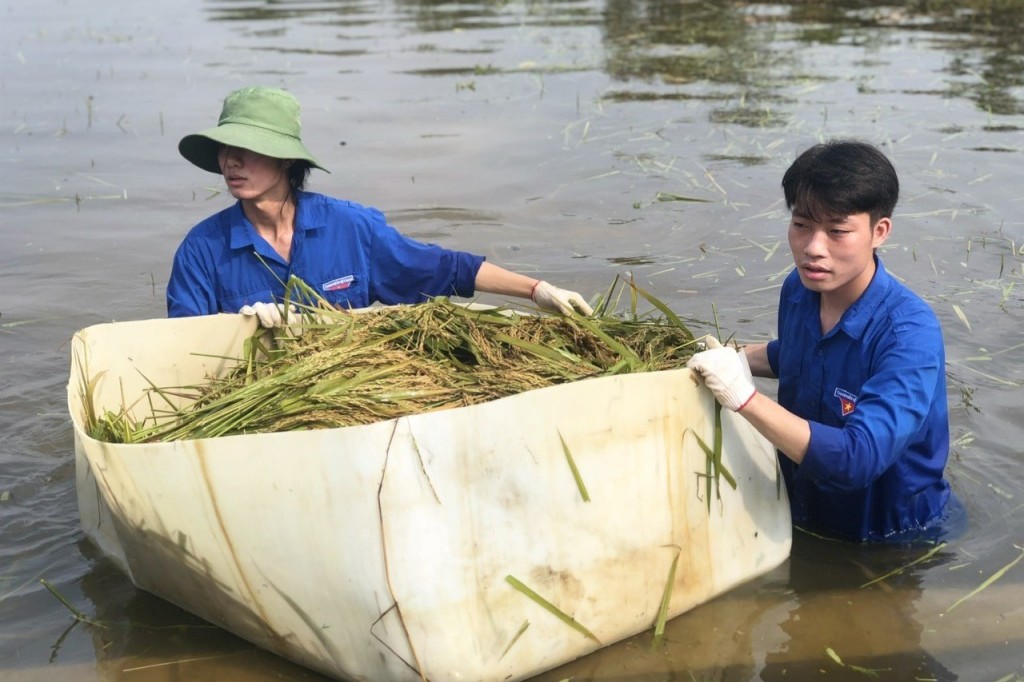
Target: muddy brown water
559,139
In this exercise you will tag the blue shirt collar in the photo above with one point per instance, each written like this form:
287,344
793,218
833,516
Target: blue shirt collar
243,234
856,318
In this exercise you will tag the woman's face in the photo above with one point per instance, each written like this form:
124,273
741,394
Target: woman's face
252,176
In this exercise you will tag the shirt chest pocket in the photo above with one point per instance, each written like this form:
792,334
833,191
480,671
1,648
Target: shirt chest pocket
347,291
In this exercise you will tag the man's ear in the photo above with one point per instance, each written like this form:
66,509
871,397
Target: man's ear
880,232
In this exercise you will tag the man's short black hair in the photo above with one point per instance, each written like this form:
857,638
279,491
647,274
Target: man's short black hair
840,178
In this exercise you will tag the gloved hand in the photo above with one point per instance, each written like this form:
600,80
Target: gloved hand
557,300
271,315
726,372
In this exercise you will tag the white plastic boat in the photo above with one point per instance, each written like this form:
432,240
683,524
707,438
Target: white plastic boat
392,551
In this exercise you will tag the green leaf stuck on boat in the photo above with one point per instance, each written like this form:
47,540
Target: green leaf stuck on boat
575,471
551,608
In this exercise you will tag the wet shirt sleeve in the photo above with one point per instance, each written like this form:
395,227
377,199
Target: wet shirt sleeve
773,356
864,428
353,258
191,289
409,271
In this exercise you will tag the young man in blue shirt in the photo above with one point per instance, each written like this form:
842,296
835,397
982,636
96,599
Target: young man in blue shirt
861,420
239,259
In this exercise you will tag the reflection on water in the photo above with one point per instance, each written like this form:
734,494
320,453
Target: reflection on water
783,626
551,136
146,639
833,611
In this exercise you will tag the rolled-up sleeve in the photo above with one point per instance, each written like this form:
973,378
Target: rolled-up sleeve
891,412
190,289
409,271
773,356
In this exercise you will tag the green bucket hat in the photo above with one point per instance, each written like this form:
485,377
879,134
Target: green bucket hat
263,120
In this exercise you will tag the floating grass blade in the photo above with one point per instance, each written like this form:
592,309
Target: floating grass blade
79,616
551,608
991,579
668,196
924,557
830,652
575,471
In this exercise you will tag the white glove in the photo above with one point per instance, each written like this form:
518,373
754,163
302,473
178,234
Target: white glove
557,300
271,315
726,372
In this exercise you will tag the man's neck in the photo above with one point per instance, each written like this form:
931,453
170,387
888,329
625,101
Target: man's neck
834,304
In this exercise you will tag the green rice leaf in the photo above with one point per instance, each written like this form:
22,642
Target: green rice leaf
991,579
668,196
575,472
924,557
662,308
666,599
551,608
515,638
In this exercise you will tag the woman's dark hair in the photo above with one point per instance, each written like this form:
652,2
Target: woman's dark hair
298,173
840,178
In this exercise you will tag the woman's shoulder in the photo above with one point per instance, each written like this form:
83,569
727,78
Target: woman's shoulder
215,227
321,207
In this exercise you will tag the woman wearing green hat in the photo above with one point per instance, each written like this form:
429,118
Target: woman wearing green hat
238,260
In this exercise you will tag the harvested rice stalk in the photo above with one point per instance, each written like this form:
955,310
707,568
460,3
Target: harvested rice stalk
343,368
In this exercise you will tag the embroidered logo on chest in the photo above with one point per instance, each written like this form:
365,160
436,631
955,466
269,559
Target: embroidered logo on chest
847,401
339,284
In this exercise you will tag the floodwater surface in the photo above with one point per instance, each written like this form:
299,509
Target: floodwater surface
574,140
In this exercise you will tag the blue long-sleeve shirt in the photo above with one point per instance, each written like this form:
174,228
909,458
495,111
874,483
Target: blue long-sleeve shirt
345,251
874,391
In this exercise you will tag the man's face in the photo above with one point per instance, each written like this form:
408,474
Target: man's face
835,257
